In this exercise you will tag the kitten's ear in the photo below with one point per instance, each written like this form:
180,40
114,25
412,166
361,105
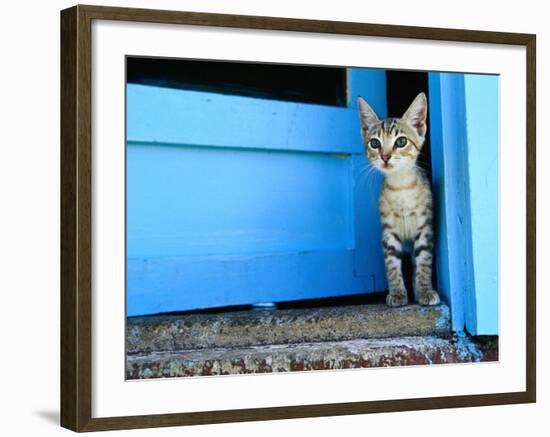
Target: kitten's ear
417,113
367,116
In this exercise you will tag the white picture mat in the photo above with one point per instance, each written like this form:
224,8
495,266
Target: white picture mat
113,396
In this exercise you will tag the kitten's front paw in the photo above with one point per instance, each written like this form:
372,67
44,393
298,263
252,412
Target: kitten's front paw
397,299
428,298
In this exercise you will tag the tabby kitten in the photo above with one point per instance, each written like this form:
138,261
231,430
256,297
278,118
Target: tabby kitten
392,146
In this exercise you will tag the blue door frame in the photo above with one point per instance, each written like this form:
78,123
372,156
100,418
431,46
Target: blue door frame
464,134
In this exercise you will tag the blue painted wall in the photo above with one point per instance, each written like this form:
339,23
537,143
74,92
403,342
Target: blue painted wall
235,200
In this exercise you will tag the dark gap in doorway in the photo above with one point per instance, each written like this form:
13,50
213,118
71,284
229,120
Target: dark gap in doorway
295,83
401,89
356,299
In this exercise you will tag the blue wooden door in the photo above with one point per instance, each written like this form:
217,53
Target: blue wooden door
236,200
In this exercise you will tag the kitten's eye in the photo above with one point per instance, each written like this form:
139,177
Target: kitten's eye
375,144
401,142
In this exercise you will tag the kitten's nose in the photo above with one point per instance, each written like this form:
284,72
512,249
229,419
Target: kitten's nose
385,158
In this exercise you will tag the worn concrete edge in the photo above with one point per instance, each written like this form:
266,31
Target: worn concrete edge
262,327
359,353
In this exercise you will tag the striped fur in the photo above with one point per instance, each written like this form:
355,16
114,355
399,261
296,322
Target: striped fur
405,198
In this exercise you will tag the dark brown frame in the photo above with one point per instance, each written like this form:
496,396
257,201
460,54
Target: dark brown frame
76,221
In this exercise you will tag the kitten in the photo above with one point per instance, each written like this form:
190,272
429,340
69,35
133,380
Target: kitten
392,145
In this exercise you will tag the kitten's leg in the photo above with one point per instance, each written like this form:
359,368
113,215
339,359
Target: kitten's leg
393,250
423,250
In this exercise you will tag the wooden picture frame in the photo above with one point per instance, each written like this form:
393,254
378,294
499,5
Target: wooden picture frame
76,217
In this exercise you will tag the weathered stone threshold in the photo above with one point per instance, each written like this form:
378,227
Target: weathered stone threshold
262,327
326,338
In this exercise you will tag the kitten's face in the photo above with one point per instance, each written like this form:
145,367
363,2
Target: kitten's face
393,144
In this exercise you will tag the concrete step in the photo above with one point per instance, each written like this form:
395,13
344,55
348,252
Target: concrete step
358,353
173,333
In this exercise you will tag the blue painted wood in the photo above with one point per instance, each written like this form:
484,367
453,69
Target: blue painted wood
208,201
234,200
368,237
464,134
185,283
482,122
168,116
371,85
451,196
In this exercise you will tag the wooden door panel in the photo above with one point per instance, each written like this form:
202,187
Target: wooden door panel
236,200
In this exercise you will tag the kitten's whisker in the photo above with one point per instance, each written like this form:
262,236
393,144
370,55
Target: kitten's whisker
368,180
366,170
